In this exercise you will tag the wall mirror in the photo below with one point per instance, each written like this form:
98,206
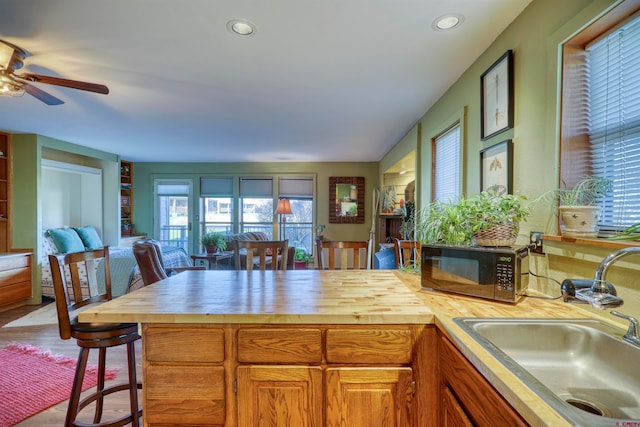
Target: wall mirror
346,199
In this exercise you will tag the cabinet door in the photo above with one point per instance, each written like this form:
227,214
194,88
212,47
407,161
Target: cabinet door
481,402
453,414
369,397
279,396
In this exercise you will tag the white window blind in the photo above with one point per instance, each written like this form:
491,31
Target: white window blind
256,187
447,165
614,121
295,187
216,186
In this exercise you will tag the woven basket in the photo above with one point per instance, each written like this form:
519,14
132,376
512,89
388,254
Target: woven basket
499,235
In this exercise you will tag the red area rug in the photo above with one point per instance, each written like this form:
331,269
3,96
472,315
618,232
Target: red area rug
32,380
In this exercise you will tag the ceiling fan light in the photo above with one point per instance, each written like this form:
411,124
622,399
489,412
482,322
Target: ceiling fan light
6,53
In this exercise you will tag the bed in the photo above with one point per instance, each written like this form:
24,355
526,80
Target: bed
125,274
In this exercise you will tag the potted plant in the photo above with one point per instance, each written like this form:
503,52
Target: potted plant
485,219
213,242
578,207
301,259
126,228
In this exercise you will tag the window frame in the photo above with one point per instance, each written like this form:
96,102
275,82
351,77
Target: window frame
574,138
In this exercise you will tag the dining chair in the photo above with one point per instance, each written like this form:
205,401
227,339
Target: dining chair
148,255
345,248
67,271
260,254
407,253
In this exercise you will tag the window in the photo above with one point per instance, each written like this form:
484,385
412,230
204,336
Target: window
216,204
232,204
298,227
256,200
446,165
601,112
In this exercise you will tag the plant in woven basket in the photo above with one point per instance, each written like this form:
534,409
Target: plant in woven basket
495,219
460,223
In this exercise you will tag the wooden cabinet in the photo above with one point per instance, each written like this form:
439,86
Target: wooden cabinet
15,279
280,396
369,396
5,192
390,228
272,375
126,197
466,397
184,375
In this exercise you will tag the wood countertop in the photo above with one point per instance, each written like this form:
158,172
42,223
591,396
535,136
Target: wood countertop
341,297
287,297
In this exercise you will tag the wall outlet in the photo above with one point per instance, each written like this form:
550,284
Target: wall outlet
535,242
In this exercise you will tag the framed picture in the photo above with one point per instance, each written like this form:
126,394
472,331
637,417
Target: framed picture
346,199
496,97
495,168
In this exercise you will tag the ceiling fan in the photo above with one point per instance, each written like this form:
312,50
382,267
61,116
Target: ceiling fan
12,84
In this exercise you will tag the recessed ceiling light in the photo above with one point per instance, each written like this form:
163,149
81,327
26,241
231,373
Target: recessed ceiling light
447,22
241,27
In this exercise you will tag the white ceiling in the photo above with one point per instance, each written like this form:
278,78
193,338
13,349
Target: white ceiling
320,80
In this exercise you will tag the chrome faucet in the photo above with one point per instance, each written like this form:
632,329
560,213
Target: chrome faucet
599,283
602,294
632,333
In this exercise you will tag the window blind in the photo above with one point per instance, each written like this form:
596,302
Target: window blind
216,186
447,165
256,187
614,121
295,187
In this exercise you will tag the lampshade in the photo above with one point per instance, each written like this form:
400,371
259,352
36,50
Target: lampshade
284,208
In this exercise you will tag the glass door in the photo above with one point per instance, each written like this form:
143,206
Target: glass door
172,213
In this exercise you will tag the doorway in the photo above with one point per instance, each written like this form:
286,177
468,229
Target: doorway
172,214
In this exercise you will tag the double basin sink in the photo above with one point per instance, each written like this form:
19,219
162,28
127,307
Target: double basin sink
580,367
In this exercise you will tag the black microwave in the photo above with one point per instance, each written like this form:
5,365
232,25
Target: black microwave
496,273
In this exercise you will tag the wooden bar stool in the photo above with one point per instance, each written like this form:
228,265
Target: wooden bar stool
72,293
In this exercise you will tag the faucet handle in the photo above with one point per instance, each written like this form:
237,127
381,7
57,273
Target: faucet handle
632,332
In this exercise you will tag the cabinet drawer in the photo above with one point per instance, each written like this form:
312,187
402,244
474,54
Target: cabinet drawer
388,346
15,275
12,262
178,395
15,292
289,345
200,344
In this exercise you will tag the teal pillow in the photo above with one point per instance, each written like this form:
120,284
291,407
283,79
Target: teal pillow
66,240
89,237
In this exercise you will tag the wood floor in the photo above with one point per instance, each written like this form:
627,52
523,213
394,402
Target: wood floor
46,337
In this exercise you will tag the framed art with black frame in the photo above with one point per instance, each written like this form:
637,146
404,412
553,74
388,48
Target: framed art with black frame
496,172
496,97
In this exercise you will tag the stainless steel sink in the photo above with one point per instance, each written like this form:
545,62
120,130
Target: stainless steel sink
580,367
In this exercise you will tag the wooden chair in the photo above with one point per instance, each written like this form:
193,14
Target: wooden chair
148,254
260,253
345,248
407,253
66,271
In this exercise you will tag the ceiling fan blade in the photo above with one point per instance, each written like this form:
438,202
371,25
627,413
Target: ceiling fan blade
41,95
73,84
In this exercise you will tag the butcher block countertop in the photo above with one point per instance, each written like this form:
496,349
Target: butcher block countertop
340,297
287,297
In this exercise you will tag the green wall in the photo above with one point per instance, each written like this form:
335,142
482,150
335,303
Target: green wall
145,173
535,37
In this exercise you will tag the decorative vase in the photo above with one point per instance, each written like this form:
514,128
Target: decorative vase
498,235
580,221
211,249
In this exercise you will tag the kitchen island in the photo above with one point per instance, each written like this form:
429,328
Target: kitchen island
299,347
